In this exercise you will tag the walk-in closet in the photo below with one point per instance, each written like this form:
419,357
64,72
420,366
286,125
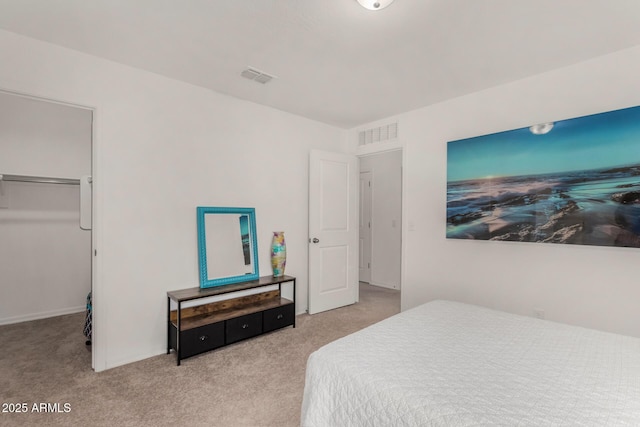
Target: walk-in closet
45,209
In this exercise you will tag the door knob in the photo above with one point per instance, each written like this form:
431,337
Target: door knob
315,240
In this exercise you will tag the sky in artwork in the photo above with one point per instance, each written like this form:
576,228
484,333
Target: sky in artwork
590,142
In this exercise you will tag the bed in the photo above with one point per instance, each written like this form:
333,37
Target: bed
452,364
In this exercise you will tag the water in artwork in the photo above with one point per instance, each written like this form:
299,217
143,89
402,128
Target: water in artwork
589,207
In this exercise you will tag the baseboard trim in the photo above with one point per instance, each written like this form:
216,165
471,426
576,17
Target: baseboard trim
384,285
42,315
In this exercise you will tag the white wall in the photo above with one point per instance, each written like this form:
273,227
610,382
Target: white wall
386,216
43,138
163,148
45,258
594,287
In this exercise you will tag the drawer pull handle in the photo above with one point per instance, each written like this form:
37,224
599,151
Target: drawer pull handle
280,316
203,337
245,326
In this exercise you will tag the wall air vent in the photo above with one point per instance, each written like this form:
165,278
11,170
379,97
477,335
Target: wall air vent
256,75
378,134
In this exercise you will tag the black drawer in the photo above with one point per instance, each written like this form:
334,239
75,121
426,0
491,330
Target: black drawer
243,327
198,340
279,317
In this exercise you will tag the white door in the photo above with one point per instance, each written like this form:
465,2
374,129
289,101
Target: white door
365,227
333,230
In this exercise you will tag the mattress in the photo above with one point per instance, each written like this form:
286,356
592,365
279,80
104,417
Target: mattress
452,364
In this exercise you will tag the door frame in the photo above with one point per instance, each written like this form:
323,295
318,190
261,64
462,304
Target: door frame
98,346
366,151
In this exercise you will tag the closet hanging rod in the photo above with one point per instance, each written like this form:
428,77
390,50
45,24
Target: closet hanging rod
40,179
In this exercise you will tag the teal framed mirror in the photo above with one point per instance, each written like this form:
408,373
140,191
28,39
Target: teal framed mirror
227,245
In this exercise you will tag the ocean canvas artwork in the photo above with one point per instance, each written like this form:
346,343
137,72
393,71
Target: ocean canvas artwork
577,184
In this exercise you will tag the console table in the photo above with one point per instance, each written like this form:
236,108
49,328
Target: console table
207,326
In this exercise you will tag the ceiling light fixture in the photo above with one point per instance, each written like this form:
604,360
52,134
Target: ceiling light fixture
541,128
375,4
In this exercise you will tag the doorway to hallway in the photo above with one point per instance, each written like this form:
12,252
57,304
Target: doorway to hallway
380,219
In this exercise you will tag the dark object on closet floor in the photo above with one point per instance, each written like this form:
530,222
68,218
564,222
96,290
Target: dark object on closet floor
87,321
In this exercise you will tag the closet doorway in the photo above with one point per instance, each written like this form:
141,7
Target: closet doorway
381,219
45,210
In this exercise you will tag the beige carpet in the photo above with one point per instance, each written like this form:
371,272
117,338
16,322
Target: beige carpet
258,382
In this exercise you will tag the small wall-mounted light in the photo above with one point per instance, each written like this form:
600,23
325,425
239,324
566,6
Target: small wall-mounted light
541,129
375,4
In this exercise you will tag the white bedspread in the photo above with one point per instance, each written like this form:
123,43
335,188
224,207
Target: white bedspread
452,364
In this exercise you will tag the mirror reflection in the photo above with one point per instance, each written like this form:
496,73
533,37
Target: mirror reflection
226,245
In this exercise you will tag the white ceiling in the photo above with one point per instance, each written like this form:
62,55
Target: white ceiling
336,62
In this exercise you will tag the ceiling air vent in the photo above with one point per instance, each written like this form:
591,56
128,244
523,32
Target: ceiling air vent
378,134
257,75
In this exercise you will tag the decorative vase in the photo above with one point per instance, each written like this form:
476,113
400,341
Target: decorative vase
278,253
